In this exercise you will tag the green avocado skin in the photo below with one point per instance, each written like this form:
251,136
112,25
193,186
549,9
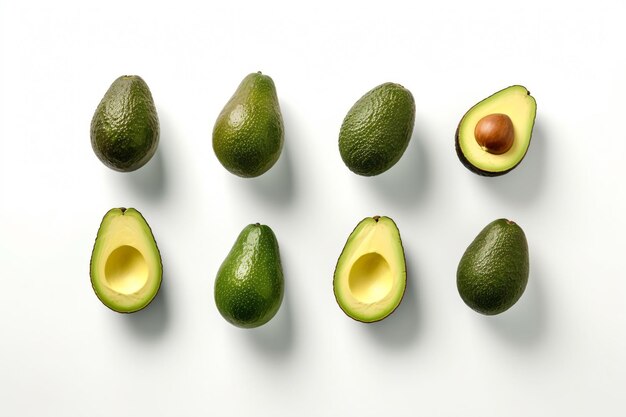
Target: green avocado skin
493,272
125,126
377,129
248,134
249,285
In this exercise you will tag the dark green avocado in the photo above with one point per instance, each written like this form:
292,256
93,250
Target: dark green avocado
493,272
493,136
377,129
248,134
125,126
249,285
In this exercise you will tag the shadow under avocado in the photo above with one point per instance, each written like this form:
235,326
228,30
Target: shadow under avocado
276,185
407,181
150,180
524,323
153,320
524,182
275,338
400,329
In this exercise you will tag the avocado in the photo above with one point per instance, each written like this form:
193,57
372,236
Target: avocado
125,266
125,126
370,276
493,136
249,285
248,134
493,271
377,129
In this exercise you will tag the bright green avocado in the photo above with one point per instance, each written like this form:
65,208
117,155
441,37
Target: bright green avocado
249,285
377,129
493,271
370,276
517,108
125,266
125,126
248,133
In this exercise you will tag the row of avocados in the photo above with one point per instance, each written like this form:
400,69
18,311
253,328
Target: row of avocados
369,280
370,276
491,139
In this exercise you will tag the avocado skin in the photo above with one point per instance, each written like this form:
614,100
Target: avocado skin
377,129
249,285
248,134
475,169
125,126
493,272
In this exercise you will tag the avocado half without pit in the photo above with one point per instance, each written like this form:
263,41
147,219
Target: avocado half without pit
370,277
126,268
493,136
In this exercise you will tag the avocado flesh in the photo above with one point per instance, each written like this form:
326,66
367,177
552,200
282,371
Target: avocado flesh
249,285
125,125
370,276
126,268
493,272
517,103
377,129
248,134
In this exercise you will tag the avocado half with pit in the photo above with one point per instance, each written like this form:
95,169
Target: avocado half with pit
370,277
493,136
126,268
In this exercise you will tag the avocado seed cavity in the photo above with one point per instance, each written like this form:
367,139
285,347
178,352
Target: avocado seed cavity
494,133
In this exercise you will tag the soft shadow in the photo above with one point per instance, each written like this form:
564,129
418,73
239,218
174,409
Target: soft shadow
407,181
151,322
524,323
524,183
400,328
276,185
275,338
149,180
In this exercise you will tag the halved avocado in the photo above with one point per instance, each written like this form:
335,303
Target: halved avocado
493,136
370,277
126,268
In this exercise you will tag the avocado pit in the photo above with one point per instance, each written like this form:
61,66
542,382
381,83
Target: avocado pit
495,133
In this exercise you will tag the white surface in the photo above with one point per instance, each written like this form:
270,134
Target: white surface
559,351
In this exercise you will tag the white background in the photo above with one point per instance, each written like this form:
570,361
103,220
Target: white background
559,351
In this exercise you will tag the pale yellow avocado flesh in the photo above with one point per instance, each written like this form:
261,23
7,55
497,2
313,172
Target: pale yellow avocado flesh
370,277
126,267
517,103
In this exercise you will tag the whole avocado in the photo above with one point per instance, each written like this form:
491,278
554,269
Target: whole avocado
493,272
377,129
125,125
249,285
248,133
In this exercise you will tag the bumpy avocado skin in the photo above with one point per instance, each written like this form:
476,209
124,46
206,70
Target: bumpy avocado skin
125,125
248,134
249,285
377,129
493,272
